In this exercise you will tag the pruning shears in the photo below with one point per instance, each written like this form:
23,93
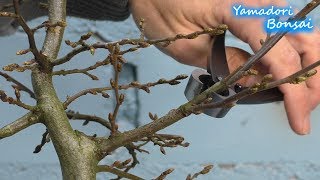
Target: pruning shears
217,69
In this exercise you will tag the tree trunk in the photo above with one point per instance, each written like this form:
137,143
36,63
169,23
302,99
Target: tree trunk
77,153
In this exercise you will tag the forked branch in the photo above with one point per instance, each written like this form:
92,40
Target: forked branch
175,115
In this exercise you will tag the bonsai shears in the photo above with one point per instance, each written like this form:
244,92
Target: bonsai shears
217,69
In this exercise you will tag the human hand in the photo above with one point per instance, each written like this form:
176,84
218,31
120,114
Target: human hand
293,52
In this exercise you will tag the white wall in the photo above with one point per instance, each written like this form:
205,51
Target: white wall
251,142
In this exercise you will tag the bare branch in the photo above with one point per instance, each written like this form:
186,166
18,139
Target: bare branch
235,76
46,24
105,168
121,165
205,170
165,140
135,84
164,174
10,100
305,72
168,140
131,149
8,14
117,66
7,6
140,43
20,85
174,115
45,139
185,110
19,124
92,118
68,142
76,71
70,55
32,43
85,70
295,78
17,67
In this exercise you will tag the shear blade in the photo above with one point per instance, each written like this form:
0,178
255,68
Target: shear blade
218,68
262,97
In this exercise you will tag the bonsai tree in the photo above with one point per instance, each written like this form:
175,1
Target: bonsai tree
79,153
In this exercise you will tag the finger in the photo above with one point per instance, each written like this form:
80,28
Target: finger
162,21
237,57
308,46
282,61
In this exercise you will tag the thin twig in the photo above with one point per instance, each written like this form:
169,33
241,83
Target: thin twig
29,32
164,174
106,168
205,170
84,70
8,14
45,139
174,115
92,118
186,109
20,85
46,24
295,78
134,157
166,140
76,71
7,6
135,84
117,66
140,43
10,100
268,45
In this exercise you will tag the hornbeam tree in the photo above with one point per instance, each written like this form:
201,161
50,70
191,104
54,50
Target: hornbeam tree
79,153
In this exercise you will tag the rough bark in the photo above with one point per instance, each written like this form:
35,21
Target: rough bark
77,153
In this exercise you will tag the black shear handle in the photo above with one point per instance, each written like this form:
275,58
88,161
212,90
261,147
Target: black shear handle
218,68
262,97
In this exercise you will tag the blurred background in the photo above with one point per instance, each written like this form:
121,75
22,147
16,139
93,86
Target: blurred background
251,142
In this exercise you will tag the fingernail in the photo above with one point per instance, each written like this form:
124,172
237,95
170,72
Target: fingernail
305,127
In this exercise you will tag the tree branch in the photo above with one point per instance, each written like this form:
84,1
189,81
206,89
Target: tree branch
271,41
10,100
8,14
73,116
185,110
29,32
135,84
117,67
76,152
108,145
75,71
295,78
20,85
139,43
205,170
105,168
164,174
85,70
54,35
19,125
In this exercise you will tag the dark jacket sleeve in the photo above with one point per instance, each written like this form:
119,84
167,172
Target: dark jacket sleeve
114,10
